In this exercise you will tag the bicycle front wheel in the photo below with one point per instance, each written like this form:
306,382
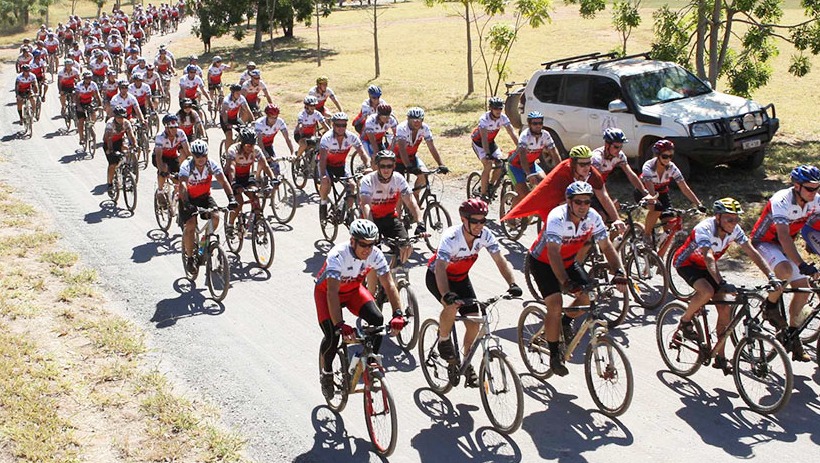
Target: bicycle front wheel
300,171
648,281
235,236
530,280
763,380
609,376
380,414
341,379
218,272
681,355
409,336
513,229
679,287
532,343
283,201
262,243
432,365
129,191
501,393
436,220
162,212
90,140
474,185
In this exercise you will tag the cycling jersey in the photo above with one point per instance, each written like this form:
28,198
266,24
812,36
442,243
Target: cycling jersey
110,89
782,208
129,102
374,126
98,67
343,265
163,66
38,68
308,121
24,84
560,229
404,132
251,91
384,197
532,145
215,74
85,93
67,79
705,235
131,62
114,134
492,125
139,71
454,251
367,110
170,148
151,80
661,181
199,181
606,166
243,163
232,107
268,132
141,93
115,46
52,46
190,86
336,152
321,96
21,60
76,54
186,123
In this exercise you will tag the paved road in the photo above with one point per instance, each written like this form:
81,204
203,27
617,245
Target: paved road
255,355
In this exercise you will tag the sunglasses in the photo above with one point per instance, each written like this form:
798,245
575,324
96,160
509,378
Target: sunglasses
536,123
387,166
810,189
365,245
731,219
584,164
476,221
582,202
666,156
199,155
339,125
617,147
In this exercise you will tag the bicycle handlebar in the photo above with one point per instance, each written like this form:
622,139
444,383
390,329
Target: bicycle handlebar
399,242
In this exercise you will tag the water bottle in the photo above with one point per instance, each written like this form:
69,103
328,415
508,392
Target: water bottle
357,357
202,241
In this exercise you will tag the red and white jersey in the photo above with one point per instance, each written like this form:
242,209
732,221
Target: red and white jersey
199,181
459,257
190,86
308,122
244,77
24,83
491,125
243,163
131,62
98,67
38,67
139,71
374,126
117,133
68,78
41,34
404,132
321,96
186,123
384,197
251,90
77,55
782,208
533,145
660,181
170,147
109,89
114,46
52,45
367,109
232,107
151,80
22,59
198,69
268,132
215,73
337,152
606,166
129,102
343,265
141,93
705,235
163,65
560,229
96,33
86,93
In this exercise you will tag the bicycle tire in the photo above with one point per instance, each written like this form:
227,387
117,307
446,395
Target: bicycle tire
163,215
223,155
811,332
134,162
341,379
116,183
262,242
409,335
753,351
28,124
610,376
90,140
236,239
378,403
506,423
614,304
38,109
531,344
515,228
129,191
283,201
528,278
355,164
635,234
680,289
218,272
330,226
474,185
190,276
433,366
436,220
682,356
755,302
648,280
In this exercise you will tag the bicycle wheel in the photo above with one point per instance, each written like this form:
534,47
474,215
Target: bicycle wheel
145,148
513,229
811,332
648,280
133,160
129,191
218,272
299,172
28,121
283,201
613,303
235,238
153,125
116,183
765,384
380,414
409,336
356,165
474,185
223,155
188,275
432,365
534,291
609,376
681,355
330,226
679,287
262,243
501,393
341,379
755,311
436,220
630,240
162,213
38,109
90,140
531,342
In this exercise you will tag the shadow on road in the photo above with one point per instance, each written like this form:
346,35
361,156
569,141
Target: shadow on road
161,244
314,263
108,210
331,443
78,155
249,271
190,303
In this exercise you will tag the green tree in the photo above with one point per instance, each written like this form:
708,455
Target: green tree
467,16
625,17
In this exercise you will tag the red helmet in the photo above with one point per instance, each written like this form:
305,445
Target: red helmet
272,110
661,146
473,206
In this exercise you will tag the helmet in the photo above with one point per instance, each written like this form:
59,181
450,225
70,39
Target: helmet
384,109
193,58
255,73
190,68
364,229
216,59
119,111
68,61
580,152
122,83
473,206
87,74
97,52
170,120
141,59
613,135
199,148
272,110
311,100
578,187
25,67
247,136
136,76
321,80
662,145
534,115
111,72
727,206
415,113
495,103
374,91
186,102
251,64
340,116
805,173
235,87
149,67
385,154
36,53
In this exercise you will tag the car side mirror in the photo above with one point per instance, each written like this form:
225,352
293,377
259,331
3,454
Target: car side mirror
617,106
708,84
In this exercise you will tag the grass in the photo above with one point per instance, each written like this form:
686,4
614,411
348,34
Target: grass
58,12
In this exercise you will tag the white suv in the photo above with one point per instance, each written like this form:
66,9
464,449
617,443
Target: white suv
582,95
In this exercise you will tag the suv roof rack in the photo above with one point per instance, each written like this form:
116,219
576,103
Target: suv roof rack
574,59
598,64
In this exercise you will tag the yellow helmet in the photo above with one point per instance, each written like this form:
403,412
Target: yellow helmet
727,206
580,152
321,80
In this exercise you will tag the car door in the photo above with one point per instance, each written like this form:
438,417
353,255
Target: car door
602,91
573,109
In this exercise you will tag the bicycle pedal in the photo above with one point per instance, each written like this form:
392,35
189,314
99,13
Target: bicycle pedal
452,373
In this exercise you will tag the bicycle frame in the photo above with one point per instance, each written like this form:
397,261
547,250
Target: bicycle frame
485,340
366,359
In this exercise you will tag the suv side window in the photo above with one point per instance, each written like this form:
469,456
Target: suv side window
603,91
576,90
547,88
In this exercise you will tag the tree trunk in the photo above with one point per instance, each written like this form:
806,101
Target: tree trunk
470,83
272,16
700,41
376,40
318,39
714,40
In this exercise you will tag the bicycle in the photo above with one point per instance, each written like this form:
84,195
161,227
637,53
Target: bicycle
497,378
649,277
152,123
759,363
606,366
262,242
143,146
515,228
502,184
70,114
166,201
209,252
124,181
282,197
305,166
215,105
165,99
28,118
435,218
223,150
338,212
379,407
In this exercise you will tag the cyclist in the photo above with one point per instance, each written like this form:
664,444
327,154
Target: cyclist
339,284
86,95
142,93
189,120
251,89
696,262
448,278
109,89
164,61
25,57
409,135
306,123
193,60
67,78
656,175
115,46
191,86
38,68
608,157
376,127
534,144
127,101
215,71
140,69
333,150
195,176
52,44
152,80
379,195
170,150
483,137
786,212
246,75
234,109
369,106
555,268
322,92
266,128
116,130
25,87
242,157
75,54
98,65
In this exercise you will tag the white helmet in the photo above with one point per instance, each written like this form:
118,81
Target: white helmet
364,229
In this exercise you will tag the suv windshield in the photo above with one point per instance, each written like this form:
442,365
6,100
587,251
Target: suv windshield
668,84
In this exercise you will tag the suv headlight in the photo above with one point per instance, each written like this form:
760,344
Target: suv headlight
758,119
734,124
748,121
703,129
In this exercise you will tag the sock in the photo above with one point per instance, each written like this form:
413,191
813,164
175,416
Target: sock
444,338
553,345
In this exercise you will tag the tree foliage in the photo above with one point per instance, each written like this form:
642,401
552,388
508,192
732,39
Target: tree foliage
17,12
625,18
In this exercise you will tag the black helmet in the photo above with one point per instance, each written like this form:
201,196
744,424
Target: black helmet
247,136
119,111
495,103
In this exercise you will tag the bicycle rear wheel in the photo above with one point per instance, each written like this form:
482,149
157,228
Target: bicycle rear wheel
436,220
409,336
380,414
129,191
501,393
90,140
763,380
530,280
679,287
356,165
432,365
613,303
474,185
648,279
609,376
162,213
116,183
235,238
283,201
681,355
330,226
532,344
218,272
341,379
300,171
513,229
262,243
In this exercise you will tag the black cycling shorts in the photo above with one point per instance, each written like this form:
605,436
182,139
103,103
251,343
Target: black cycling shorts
84,110
243,181
226,126
463,288
663,202
691,274
204,201
111,156
172,163
546,280
391,227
